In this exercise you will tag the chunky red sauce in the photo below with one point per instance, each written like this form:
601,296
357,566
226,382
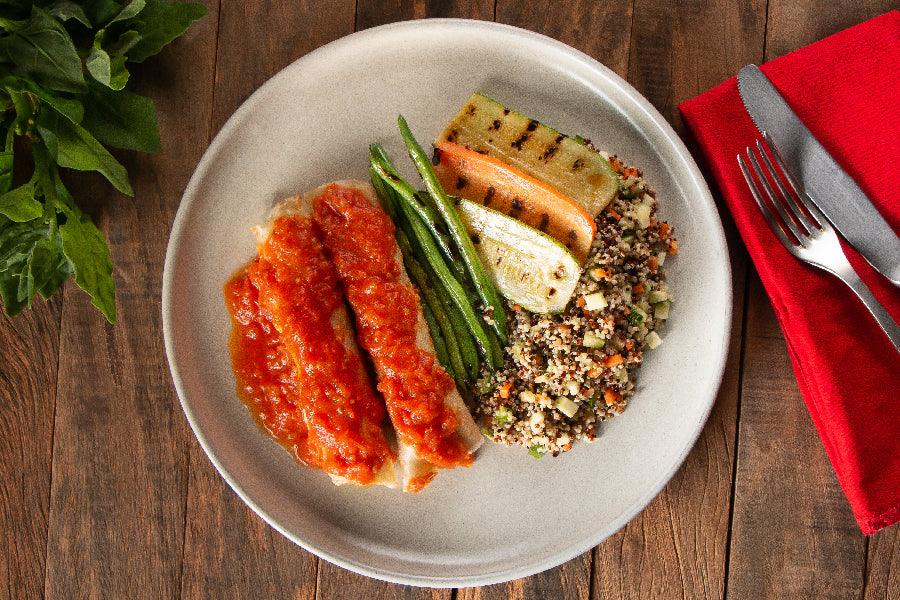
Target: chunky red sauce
360,238
293,370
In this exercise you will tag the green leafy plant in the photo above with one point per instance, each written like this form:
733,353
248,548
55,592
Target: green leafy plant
63,72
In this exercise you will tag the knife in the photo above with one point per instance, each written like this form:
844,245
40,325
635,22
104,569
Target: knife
835,193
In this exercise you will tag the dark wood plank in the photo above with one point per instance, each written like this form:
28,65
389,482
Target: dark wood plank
371,13
793,24
120,441
883,565
338,583
30,347
599,29
229,551
793,532
281,32
571,580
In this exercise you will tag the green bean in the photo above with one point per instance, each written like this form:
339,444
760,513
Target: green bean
430,299
483,284
433,257
437,340
461,347
427,214
467,348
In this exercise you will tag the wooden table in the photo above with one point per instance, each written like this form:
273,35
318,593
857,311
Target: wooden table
105,492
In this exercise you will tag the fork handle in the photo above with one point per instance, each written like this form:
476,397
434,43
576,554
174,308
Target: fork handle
884,320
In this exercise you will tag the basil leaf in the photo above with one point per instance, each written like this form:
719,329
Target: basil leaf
72,146
122,119
101,11
84,245
130,10
41,49
69,107
30,262
6,171
63,10
10,283
17,239
108,70
159,23
20,205
125,42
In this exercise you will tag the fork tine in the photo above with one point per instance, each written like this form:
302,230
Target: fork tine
763,207
787,220
799,192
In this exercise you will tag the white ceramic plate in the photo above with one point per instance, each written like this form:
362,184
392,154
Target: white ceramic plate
509,515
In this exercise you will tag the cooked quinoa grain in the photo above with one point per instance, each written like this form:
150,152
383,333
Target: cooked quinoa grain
565,373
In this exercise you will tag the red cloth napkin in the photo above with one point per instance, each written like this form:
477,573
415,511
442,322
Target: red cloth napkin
846,89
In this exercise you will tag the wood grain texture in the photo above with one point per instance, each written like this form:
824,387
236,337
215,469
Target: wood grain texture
337,583
229,551
882,579
571,580
120,444
792,524
793,24
601,30
30,346
371,13
282,31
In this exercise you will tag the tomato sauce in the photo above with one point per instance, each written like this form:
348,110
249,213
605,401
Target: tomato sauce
360,237
294,372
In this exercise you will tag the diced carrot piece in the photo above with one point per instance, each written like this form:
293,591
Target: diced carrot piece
663,229
653,263
504,391
611,397
612,361
673,247
497,185
637,289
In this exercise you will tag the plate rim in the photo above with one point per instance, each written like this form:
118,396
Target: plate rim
699,186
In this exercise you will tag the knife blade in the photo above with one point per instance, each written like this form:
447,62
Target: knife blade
836,194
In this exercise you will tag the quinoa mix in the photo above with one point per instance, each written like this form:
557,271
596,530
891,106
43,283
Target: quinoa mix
565,373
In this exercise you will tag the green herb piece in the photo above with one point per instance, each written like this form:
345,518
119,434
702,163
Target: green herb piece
536,452
63,70
636,316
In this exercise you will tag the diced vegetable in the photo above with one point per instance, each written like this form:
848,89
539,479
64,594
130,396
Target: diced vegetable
653,340
595,301
637,315
592,341
566,406
657,296
564,163
503,415
496,184
529,268
661,309
642,215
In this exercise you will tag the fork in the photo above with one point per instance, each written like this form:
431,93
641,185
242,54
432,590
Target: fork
802,228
